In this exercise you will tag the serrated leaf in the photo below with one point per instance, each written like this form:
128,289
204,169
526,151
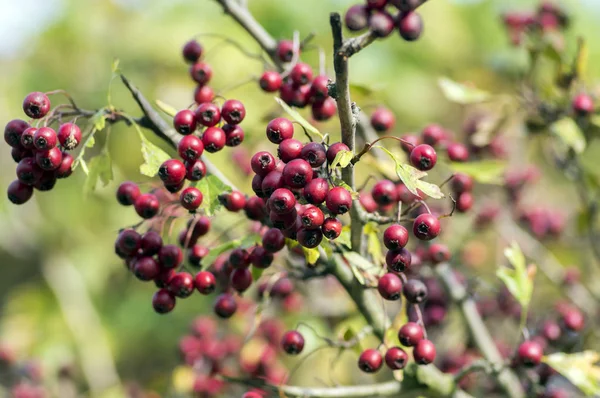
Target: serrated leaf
99,120
580,368
461,93
342,159
99,168
371,230
211,187
311,255
517,279
408,174
166,108
485,171
429,189
569,133
153,156
298,117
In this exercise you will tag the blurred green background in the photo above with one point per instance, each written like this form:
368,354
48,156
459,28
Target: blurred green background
64,296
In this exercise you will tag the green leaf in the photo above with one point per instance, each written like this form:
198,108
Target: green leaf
84,166
166,108
100,168
211,187
411,177
431,190
461,93
115,65
99,120
311,255
484,171
218,250
360,266
153,156
345,237
297,117
371,230
580,368
570,134
342,158
350,333
256,273
91,141
517,279
338,182
581,59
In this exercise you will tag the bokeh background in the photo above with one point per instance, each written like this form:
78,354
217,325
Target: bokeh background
65,298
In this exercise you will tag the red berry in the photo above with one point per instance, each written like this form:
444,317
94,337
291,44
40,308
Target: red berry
65,169
195,171
69,136
319,89
273,181
255,208
410,26
146,205
36,105
201,72
396,358
196,253
331,228
367,202
172,172
461,183
270,81
184,122
151,243
282,201
239,258
181,285
333,150
390,287
438,253
583,104
190,148
203,94
376,4
285,50
297,173
214,139
415,291
170,256
208,114
381,23
530,353
273,240
286,221
261,258
27,138
233,111
398,260
424,352
234,135
423,157
18,192
47,181
50,159
301,74
410,334
384,193
146,268
127,193
233,201
311,217
322,111
573,320
314,153
551,331
410,141
433,134
225,305
28,172
13,131
241,279
163,301
292,342
458,152
357,17
262,163
426,227
315,192
464,202
191,198
395,237
192,51
339,200
309,238
279,129
289,149
205,282
370,361
382,119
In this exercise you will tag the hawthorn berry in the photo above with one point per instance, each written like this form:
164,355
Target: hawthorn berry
285,50
273,240
190,148
163,301
338,200
415,291
314,153
225,305
309,238
312,217
233,201
410,334
65,169
252,394
181,285
334,149
426,227
234,134
424,352
47,181
433,134
551,331
573,320
289,149
395,237
530,353
261,258
396,358
461,182
36,105
389,287
262,163
383,119
285,221
282,288
270,81
324,110
423,157
195,171
233,111
214,139
172,172
410,25
271,182
185,122
370,361
201,72
192,51
205,282
69,136
170,256
49,159
282,201
331,228
208,114
457,152
13,131
146,268
438,253
315,192
381,23
583,104
151,243
241,279
409,141
319,88
367,202
297,173
301,74
19,154
279,129
191,198
357,17
28,172
203,94
384,193
292,342
464,202
398,260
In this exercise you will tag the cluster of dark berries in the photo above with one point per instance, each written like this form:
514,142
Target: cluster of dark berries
383,16
298,86
547,18
41,153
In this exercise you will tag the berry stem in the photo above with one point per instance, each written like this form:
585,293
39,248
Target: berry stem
369,146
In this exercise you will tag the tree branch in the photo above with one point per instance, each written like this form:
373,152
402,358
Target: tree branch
479,332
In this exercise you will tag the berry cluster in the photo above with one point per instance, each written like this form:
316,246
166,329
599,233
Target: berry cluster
297,86
22,379
381,17
547,18
41,153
